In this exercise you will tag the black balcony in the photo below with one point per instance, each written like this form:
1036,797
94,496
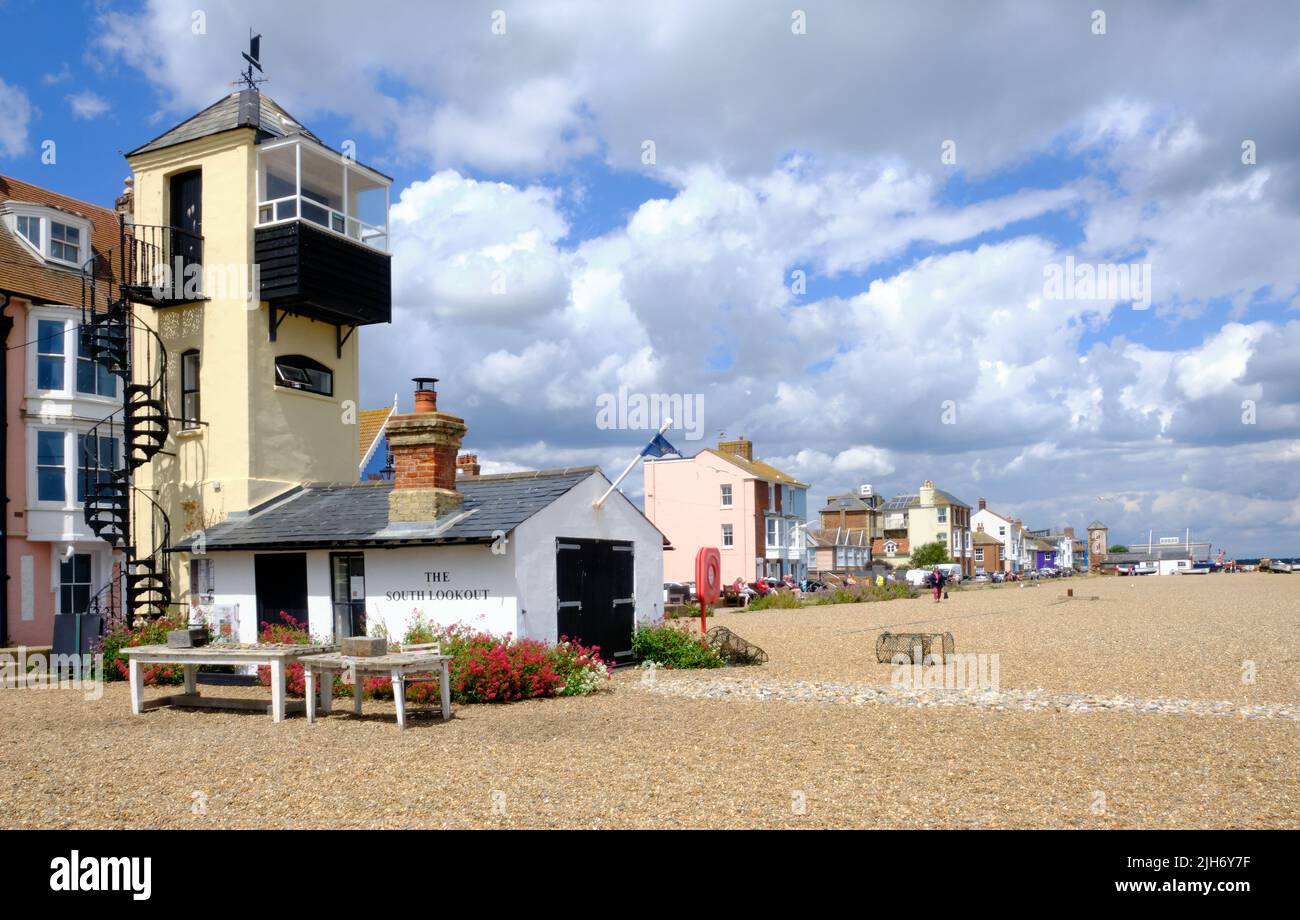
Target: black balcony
163,266
308,271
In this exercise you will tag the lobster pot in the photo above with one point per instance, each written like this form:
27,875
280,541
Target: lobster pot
915,647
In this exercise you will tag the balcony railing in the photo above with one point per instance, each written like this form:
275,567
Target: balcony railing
293,207
164,265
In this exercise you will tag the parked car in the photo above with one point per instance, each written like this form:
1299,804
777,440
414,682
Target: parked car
676,593
982,579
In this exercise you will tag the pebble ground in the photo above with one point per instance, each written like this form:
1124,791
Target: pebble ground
1166,702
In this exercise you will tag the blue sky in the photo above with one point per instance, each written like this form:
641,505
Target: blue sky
779,152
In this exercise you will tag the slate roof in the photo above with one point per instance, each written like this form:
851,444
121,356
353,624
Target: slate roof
227,114
356,514
847,503
24,273
980,538
1096,525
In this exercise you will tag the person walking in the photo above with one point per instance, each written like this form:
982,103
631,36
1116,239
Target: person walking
936,578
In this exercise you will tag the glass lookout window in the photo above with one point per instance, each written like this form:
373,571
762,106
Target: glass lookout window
297,179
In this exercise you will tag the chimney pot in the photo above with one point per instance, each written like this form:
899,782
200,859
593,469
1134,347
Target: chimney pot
426,397
983,504
467,465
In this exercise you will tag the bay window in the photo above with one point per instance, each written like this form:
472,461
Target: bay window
300,180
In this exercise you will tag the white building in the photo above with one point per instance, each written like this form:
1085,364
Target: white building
521,553
1007,531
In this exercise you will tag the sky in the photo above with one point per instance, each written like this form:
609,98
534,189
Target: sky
842,229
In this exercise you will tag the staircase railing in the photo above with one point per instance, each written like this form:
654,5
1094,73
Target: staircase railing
135,433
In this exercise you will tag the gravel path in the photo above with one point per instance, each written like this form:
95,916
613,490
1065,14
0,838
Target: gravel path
801,691
632,758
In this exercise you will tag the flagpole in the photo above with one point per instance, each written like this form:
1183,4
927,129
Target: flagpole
623,475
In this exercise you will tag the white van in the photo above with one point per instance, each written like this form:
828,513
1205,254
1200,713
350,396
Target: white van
952,570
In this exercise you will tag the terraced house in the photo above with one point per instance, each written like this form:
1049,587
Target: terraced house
924,516
55,270
753,512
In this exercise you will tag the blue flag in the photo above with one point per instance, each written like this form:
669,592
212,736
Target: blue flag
658,447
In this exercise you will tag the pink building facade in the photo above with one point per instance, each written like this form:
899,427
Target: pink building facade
53,563
752,512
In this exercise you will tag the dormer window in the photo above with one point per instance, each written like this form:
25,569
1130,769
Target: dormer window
30,228
52,234
65,243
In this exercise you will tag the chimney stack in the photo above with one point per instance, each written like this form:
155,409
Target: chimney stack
740,447
983,504
424,446
467,465
926,496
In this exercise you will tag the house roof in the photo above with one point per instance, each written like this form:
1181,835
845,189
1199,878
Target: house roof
913,500
839,536
756,468
980,538
24,273
1096,525
846,503
878,544
332,514
370,422
236,110
1039,544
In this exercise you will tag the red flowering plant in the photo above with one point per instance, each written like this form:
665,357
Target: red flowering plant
287,632
500,669
144,631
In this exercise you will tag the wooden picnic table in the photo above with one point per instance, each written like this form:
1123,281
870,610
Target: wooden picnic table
276,657
397,666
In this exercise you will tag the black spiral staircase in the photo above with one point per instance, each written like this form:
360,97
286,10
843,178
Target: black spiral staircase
116,510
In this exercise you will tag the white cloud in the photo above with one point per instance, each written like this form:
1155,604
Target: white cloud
87,104
15,114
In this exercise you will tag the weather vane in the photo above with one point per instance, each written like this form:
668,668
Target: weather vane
254,58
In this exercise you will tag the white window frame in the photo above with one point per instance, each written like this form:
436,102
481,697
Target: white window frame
71,320
773,530
70,432
728,537
47,218
724,494
891,547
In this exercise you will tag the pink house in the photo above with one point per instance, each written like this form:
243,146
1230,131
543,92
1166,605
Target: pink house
752,512
53,563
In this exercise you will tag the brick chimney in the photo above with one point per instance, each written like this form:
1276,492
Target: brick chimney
983,504
740,447
424,446
467,465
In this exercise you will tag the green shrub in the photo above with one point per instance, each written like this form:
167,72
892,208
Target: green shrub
778,600
863,594
671,646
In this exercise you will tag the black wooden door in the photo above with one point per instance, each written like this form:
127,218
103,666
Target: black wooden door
280,580
187,217
594,594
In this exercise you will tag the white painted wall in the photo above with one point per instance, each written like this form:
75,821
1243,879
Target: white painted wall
402,582
514,591
572,516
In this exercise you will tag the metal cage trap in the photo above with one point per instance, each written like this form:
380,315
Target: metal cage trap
733,649
915,647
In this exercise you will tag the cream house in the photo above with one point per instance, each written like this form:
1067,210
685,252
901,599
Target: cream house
926,516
